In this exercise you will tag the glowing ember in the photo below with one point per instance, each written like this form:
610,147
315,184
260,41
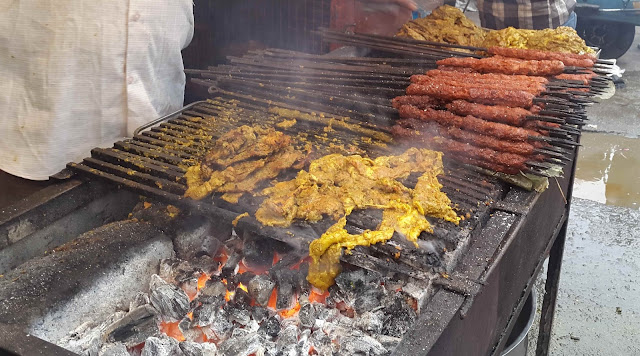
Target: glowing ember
202,281
318,297
172,330
190,315
229,295
273,299
242,268
290,312
243,287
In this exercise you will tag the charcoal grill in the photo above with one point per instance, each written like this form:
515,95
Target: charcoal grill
499,249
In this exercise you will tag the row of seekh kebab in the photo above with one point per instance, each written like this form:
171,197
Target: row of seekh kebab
512,114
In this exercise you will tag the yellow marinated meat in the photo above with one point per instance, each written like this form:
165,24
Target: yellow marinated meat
561,39
335,185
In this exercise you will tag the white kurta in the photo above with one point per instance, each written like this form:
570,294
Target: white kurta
76,74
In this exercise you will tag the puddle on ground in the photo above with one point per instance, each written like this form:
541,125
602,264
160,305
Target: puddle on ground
609,170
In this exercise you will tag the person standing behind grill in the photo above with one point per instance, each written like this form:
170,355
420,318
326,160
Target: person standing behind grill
79,74
526,14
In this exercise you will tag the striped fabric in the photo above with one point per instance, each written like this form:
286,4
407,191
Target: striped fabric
526,14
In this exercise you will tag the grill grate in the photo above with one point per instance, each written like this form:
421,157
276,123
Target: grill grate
154,162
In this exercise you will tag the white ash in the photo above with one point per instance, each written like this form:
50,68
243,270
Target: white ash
161,346
113,349
171,301
87,339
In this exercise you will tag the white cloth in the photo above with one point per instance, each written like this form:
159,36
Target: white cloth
76,74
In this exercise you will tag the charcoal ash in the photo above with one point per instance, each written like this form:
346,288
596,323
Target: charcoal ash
161,346
213,288
135,327
389,342
288,337
171,301
260,288
242,346
113,349
220,328
304,344
322,343
87,339
361,345
288,350
370,322
205,313
354,283
399,317
271,327
369,299
140,299
419,290
198,349
237,314
307,315
259,313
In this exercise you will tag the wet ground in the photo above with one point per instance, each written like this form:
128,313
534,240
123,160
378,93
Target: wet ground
598,309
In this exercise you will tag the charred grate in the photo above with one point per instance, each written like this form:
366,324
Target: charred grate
153,163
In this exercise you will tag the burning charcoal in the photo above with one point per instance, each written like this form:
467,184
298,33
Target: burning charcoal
258,252
219,329
213,289
135,327
361,345
259,313
190,236
88,337
370,322
288,337
185,324
288,350
389,342
237,314
418,290
231,266
190,286
205,263
171,268
260,288
239,332
171,301
204,314
270,348
115,349
321,343
304,344
399,317
244,278
242,346
139,300
285,292
302,285
307,315
354,282
271,326
209,349
369,299
191,348
161,346
242,298
210,246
